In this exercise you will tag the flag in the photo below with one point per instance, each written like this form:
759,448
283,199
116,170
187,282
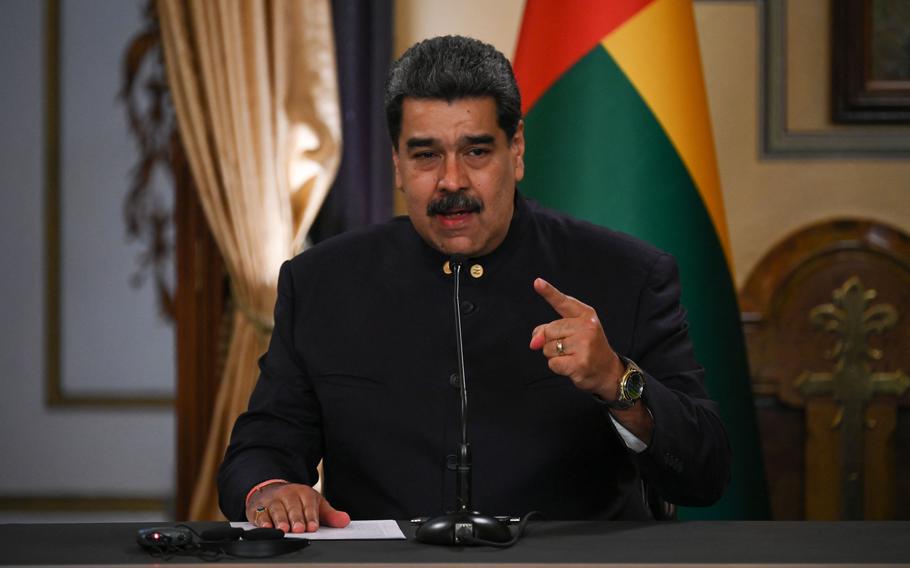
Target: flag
618,133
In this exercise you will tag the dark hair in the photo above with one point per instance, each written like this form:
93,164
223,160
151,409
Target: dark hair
451,68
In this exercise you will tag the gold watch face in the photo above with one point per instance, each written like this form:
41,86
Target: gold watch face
633,384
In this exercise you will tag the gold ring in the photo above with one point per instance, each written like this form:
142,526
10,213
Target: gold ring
560,348
259,510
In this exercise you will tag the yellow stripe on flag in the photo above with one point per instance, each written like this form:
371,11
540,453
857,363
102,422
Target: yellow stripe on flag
658,51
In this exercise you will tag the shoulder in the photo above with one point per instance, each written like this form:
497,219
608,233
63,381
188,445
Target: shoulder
356,249
594,246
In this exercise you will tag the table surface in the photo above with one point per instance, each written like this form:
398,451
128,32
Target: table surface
583,542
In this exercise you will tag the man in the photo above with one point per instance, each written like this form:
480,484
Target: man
360,368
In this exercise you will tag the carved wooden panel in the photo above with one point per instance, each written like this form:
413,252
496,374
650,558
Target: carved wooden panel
803,438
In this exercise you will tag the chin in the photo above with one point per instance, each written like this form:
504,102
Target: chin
461,252
465,251
454,245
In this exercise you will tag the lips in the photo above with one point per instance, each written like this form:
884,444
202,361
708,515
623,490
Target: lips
455,218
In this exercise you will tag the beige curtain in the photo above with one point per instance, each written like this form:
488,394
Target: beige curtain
254,86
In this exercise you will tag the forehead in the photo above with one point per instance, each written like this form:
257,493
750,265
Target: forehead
438,118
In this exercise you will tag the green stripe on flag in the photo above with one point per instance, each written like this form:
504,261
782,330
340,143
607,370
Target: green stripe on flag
595,151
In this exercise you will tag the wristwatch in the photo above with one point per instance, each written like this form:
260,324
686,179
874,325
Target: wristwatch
631,386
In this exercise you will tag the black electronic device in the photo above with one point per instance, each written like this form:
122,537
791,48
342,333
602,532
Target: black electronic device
230,533
161,538
182,540
463,526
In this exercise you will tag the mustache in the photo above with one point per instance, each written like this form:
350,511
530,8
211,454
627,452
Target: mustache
457,201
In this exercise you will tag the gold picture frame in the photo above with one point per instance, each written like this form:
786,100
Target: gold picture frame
55,393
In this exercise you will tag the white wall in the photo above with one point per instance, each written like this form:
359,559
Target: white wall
496,22
113,341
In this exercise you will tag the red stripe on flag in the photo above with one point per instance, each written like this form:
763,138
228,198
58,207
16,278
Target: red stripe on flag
555,34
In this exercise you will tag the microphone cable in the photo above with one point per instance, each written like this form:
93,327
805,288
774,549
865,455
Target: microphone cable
519,532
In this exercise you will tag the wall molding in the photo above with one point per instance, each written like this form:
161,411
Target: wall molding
55,394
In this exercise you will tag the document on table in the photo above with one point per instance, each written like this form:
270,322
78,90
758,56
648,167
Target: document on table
357,530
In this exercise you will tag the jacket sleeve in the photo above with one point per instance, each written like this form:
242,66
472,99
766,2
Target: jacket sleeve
280,434
688,459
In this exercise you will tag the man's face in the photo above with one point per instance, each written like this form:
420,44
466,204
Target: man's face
458,173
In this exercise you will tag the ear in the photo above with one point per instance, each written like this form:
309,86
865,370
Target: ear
398,185
518,150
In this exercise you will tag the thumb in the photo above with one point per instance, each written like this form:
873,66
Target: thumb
331,517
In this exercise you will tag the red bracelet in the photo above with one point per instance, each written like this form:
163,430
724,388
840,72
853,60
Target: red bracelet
259,488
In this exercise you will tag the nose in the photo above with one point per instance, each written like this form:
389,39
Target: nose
451,175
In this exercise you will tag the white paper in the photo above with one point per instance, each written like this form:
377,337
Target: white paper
357,530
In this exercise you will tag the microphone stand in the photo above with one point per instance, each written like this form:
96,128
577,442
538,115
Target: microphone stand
463,526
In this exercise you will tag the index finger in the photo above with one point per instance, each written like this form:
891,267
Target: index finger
566,306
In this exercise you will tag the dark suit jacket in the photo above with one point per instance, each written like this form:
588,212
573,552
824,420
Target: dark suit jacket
359,372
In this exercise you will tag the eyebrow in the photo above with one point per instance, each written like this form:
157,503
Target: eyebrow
480,139
420,142
470,139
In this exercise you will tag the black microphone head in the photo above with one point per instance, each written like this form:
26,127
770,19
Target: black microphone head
222,533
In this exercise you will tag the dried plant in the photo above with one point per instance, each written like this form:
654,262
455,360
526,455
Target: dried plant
152,123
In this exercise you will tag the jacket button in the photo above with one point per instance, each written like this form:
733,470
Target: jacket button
453,380
467,307
451,462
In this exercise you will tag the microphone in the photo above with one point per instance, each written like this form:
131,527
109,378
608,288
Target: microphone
252,543
463,526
